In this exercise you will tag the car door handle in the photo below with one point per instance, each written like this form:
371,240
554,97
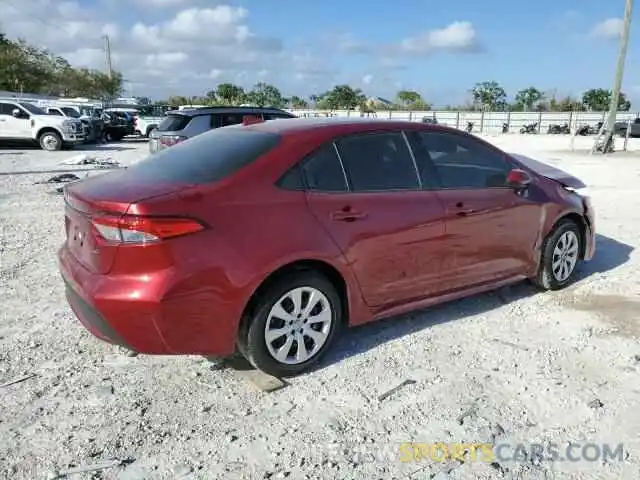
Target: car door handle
348,216
461,211
464,213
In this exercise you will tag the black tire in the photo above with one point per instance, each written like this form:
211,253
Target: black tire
50,141
545,278
251,341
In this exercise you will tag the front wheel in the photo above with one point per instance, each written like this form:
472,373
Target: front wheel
50,141
293,325
560,256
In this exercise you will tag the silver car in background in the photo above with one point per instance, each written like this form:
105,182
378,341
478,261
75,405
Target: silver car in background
180,125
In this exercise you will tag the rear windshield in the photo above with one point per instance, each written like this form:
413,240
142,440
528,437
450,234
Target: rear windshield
205,158
172,123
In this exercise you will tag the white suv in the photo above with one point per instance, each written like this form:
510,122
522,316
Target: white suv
24,122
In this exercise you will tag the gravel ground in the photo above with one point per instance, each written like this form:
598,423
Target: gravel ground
514,366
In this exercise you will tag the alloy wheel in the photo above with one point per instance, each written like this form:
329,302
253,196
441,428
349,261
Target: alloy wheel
565,256
298,325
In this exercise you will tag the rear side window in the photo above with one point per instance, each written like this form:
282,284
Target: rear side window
378,162
227,119
172,123
205,158
322,171
7,108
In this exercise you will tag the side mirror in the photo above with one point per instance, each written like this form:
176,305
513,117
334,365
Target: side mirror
16,113
518,179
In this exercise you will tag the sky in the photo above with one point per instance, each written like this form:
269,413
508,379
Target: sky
438,48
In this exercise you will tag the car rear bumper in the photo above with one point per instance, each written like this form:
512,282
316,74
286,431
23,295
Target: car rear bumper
123,310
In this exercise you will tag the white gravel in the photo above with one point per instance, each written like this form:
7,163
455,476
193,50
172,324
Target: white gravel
524,363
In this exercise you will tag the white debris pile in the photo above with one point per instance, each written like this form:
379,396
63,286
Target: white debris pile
515,367
91,159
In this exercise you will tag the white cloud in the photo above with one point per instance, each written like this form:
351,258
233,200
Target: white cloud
608,29
160,3
456,37
192,48
367,79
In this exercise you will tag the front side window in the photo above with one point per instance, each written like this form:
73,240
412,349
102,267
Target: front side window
459,162
378,162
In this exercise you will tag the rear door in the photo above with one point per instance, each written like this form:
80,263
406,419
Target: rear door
491,230
365,191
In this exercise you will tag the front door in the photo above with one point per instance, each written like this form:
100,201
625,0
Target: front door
491,230
370,201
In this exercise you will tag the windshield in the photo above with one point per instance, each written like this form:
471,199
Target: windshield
70,112
32,108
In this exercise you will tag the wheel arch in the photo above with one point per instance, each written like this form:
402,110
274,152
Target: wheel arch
329,271
48,129
582,224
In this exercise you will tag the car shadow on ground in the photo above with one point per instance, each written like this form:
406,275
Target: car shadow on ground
101,148
610,254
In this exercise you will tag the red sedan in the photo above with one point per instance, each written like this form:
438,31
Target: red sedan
268,238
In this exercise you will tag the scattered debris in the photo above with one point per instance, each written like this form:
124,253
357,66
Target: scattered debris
86,159
263,381
182,470
92,468
468,413
18,380
595,403
510,344
62,178
388,393
636,359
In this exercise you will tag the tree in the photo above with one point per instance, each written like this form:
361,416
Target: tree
230,94
264,94
35,70
489,95
529,97
297,102
412,100
596,99
599,99
342,96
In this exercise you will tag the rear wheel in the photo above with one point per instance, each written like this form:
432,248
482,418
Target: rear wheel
293,324
560,256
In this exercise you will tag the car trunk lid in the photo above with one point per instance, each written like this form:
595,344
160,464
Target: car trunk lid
549,171
111,194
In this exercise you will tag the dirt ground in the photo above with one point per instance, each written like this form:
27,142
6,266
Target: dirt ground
511,367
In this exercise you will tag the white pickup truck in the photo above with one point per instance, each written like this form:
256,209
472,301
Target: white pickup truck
145,125
24,122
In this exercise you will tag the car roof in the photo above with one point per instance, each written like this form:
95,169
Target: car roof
192,112
333,125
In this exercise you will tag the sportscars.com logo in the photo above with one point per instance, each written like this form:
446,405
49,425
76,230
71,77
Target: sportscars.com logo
487,452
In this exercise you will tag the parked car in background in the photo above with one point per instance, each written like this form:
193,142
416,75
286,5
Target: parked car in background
620,128
93,124
269,238
118,123
432,120
180,125
23,122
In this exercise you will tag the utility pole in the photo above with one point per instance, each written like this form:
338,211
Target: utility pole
617,84
107,53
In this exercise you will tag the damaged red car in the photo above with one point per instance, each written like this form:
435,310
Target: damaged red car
269,238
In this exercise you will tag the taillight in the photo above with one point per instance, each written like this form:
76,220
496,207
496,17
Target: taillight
132,229
170,140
